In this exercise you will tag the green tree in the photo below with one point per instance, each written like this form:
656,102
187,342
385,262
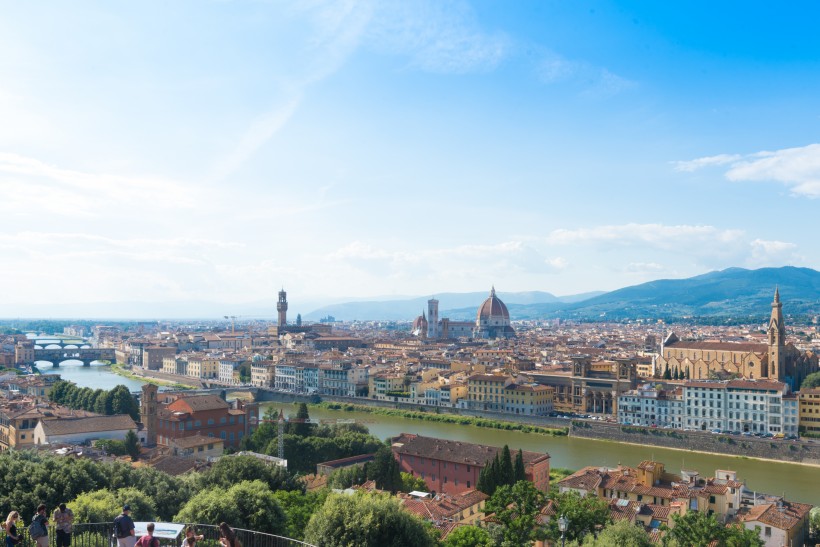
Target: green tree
365,520
300,426
811,381
520,473
698,528
410,483
111,446
299,508
234,469
122,402
515,509
103,505
132,445
249,504
468,536
384,469
507,471
667,375
348,476
622,533
585,515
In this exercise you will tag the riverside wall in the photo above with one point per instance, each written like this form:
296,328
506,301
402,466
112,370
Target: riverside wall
754,447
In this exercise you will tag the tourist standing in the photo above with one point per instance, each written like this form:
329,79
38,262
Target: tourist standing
63,519
227,536
10,525
148,540
124,528
191,537
38,530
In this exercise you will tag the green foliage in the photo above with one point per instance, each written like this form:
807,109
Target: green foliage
410,483
117,401
559,473
299,508
516,508
468,536
500,471
811,381
585,515
348,476
519,470
104,505
132,445
231,470
300,427
111,446
384,469
248,504
622,533
447,418
697,528
365,520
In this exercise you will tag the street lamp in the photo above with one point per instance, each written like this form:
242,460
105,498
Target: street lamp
563,522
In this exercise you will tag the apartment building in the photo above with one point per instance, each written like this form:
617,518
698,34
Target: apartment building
809,411
649,406
263,373
500,393
206,415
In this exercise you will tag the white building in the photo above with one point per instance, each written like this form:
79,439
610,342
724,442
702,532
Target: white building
649,406
80,430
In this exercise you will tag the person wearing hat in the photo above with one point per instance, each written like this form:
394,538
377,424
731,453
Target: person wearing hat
124,528
64,518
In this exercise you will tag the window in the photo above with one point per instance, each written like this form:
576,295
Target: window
768,530
223,420
468,484
211,446
198,423
223,435
210,421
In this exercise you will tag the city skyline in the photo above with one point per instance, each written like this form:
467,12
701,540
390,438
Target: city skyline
215,152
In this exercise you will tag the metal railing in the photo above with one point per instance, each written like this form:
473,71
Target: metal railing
101,534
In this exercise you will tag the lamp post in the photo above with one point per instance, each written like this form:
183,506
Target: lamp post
563,522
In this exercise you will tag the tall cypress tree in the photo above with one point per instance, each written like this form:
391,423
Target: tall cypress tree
507,472
520,472
667,375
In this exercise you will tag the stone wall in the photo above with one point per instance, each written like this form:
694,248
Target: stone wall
793,451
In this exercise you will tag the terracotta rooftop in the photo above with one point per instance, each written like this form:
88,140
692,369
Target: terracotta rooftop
454,451
745,347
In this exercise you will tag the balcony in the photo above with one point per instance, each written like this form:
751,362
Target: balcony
100,534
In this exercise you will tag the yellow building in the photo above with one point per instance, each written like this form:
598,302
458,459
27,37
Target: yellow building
503,394
809,401
381,384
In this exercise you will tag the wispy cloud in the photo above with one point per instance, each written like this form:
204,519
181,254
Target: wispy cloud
28,183
593,81
653,235
797,168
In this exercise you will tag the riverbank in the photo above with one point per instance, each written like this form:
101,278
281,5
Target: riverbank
446,418
799,452
120,370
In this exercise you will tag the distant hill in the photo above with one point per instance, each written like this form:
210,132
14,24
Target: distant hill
456,306
734,292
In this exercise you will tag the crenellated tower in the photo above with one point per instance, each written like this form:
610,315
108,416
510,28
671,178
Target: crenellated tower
148,413
282,307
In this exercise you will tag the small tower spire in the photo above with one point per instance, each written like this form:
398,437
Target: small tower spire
777,293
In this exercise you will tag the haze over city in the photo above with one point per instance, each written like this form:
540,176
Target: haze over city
218,151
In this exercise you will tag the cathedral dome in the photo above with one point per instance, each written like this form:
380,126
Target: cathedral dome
493,308
420,324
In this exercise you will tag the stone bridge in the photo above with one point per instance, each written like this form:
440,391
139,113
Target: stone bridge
86,355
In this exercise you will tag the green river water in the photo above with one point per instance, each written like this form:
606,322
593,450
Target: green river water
797,482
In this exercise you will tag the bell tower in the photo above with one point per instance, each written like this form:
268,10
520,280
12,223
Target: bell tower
282,308
432,319
148,413
777,339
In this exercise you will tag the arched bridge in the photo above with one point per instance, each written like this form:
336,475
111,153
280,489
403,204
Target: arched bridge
86,355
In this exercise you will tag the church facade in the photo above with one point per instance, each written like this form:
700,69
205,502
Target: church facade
775,360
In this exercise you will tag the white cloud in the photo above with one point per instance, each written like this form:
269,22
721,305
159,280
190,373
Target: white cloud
772,253
694,165
30,184
797,168
652,235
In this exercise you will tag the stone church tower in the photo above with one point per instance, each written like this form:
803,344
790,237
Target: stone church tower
432,319
148,413
282,308
777,340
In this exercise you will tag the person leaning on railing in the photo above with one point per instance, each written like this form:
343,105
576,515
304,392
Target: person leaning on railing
227,536
191,537
10,526
39,526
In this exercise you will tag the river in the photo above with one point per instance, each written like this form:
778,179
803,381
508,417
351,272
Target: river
798,482
96,376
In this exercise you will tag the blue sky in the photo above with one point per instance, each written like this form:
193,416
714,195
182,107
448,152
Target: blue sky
216,151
